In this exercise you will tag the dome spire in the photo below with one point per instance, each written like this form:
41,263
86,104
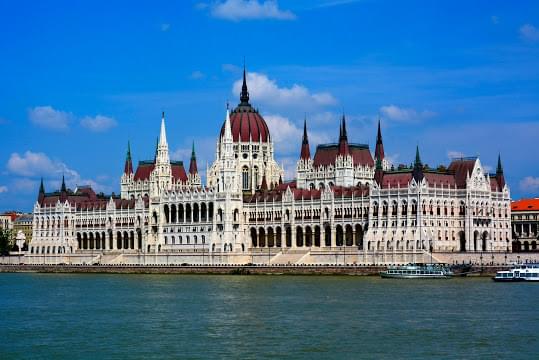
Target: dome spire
244,96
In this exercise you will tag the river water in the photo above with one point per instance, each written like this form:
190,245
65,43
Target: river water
105,316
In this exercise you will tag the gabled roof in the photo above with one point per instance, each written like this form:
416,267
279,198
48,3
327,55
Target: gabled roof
461,168
326,154
145,168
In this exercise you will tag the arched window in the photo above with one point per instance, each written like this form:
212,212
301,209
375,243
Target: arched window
245,177
255,176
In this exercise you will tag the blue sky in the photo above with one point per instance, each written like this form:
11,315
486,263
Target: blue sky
80,79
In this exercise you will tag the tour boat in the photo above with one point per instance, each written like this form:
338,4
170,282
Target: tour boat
417,271
519,272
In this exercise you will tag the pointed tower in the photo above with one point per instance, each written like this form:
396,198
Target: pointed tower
418,167
500,178
63,190
244,96
41,194
193,164
305,150
379,172
343,139
379,150
128,166
162,173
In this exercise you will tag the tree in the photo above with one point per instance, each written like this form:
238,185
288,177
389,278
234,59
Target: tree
5,241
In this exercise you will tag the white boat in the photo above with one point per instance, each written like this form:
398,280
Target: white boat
519,272
417,271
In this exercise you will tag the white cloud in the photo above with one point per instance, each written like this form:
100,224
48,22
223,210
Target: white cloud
36,164
236,10
396,113
196,75
230,68
25,185
3,189
263,89
98,123
452,154
47,117
530,184
529,32
287,136
165,27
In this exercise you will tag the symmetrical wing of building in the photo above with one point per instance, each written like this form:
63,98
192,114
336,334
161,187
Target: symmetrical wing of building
342,198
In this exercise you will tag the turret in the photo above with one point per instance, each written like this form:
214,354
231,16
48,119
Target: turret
128,167
343,139
41,194
500,178
418,167
193,164
379,150
63,190
305,151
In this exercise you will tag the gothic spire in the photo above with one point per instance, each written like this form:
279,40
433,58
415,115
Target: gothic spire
128,167
63,189
244,96
500,178
379,150
193,164
163,133
41,194
343,139
305,151
499,168
418,166
42,187
417,162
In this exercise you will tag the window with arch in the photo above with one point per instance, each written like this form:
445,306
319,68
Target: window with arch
245,178
255,176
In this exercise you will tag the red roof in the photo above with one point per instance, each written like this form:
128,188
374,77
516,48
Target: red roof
307,194
145,168
525,205
461,168
327,154
395,180
247,124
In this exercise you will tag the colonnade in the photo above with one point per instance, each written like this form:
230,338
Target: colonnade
289,236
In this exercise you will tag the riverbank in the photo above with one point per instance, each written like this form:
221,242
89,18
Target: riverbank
224,269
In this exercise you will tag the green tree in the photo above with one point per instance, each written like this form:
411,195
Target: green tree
5,241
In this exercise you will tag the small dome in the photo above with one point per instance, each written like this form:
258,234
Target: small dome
247,124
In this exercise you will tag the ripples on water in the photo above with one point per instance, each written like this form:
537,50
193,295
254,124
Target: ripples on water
251,317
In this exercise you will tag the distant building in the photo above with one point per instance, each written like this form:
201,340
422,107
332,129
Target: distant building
23,223
524,222
6,220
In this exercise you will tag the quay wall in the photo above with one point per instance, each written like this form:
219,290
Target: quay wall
358,270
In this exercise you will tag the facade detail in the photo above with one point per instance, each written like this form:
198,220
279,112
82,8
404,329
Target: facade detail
344,201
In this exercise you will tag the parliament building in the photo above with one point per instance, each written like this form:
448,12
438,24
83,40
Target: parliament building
345,205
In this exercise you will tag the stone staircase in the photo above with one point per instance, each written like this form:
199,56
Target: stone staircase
290,256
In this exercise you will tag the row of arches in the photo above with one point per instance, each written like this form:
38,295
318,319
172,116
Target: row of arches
178,213
307,236
47,250
102,241
179,240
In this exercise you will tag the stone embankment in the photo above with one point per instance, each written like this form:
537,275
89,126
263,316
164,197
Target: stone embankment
224,269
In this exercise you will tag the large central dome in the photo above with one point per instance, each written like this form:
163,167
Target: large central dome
247,124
